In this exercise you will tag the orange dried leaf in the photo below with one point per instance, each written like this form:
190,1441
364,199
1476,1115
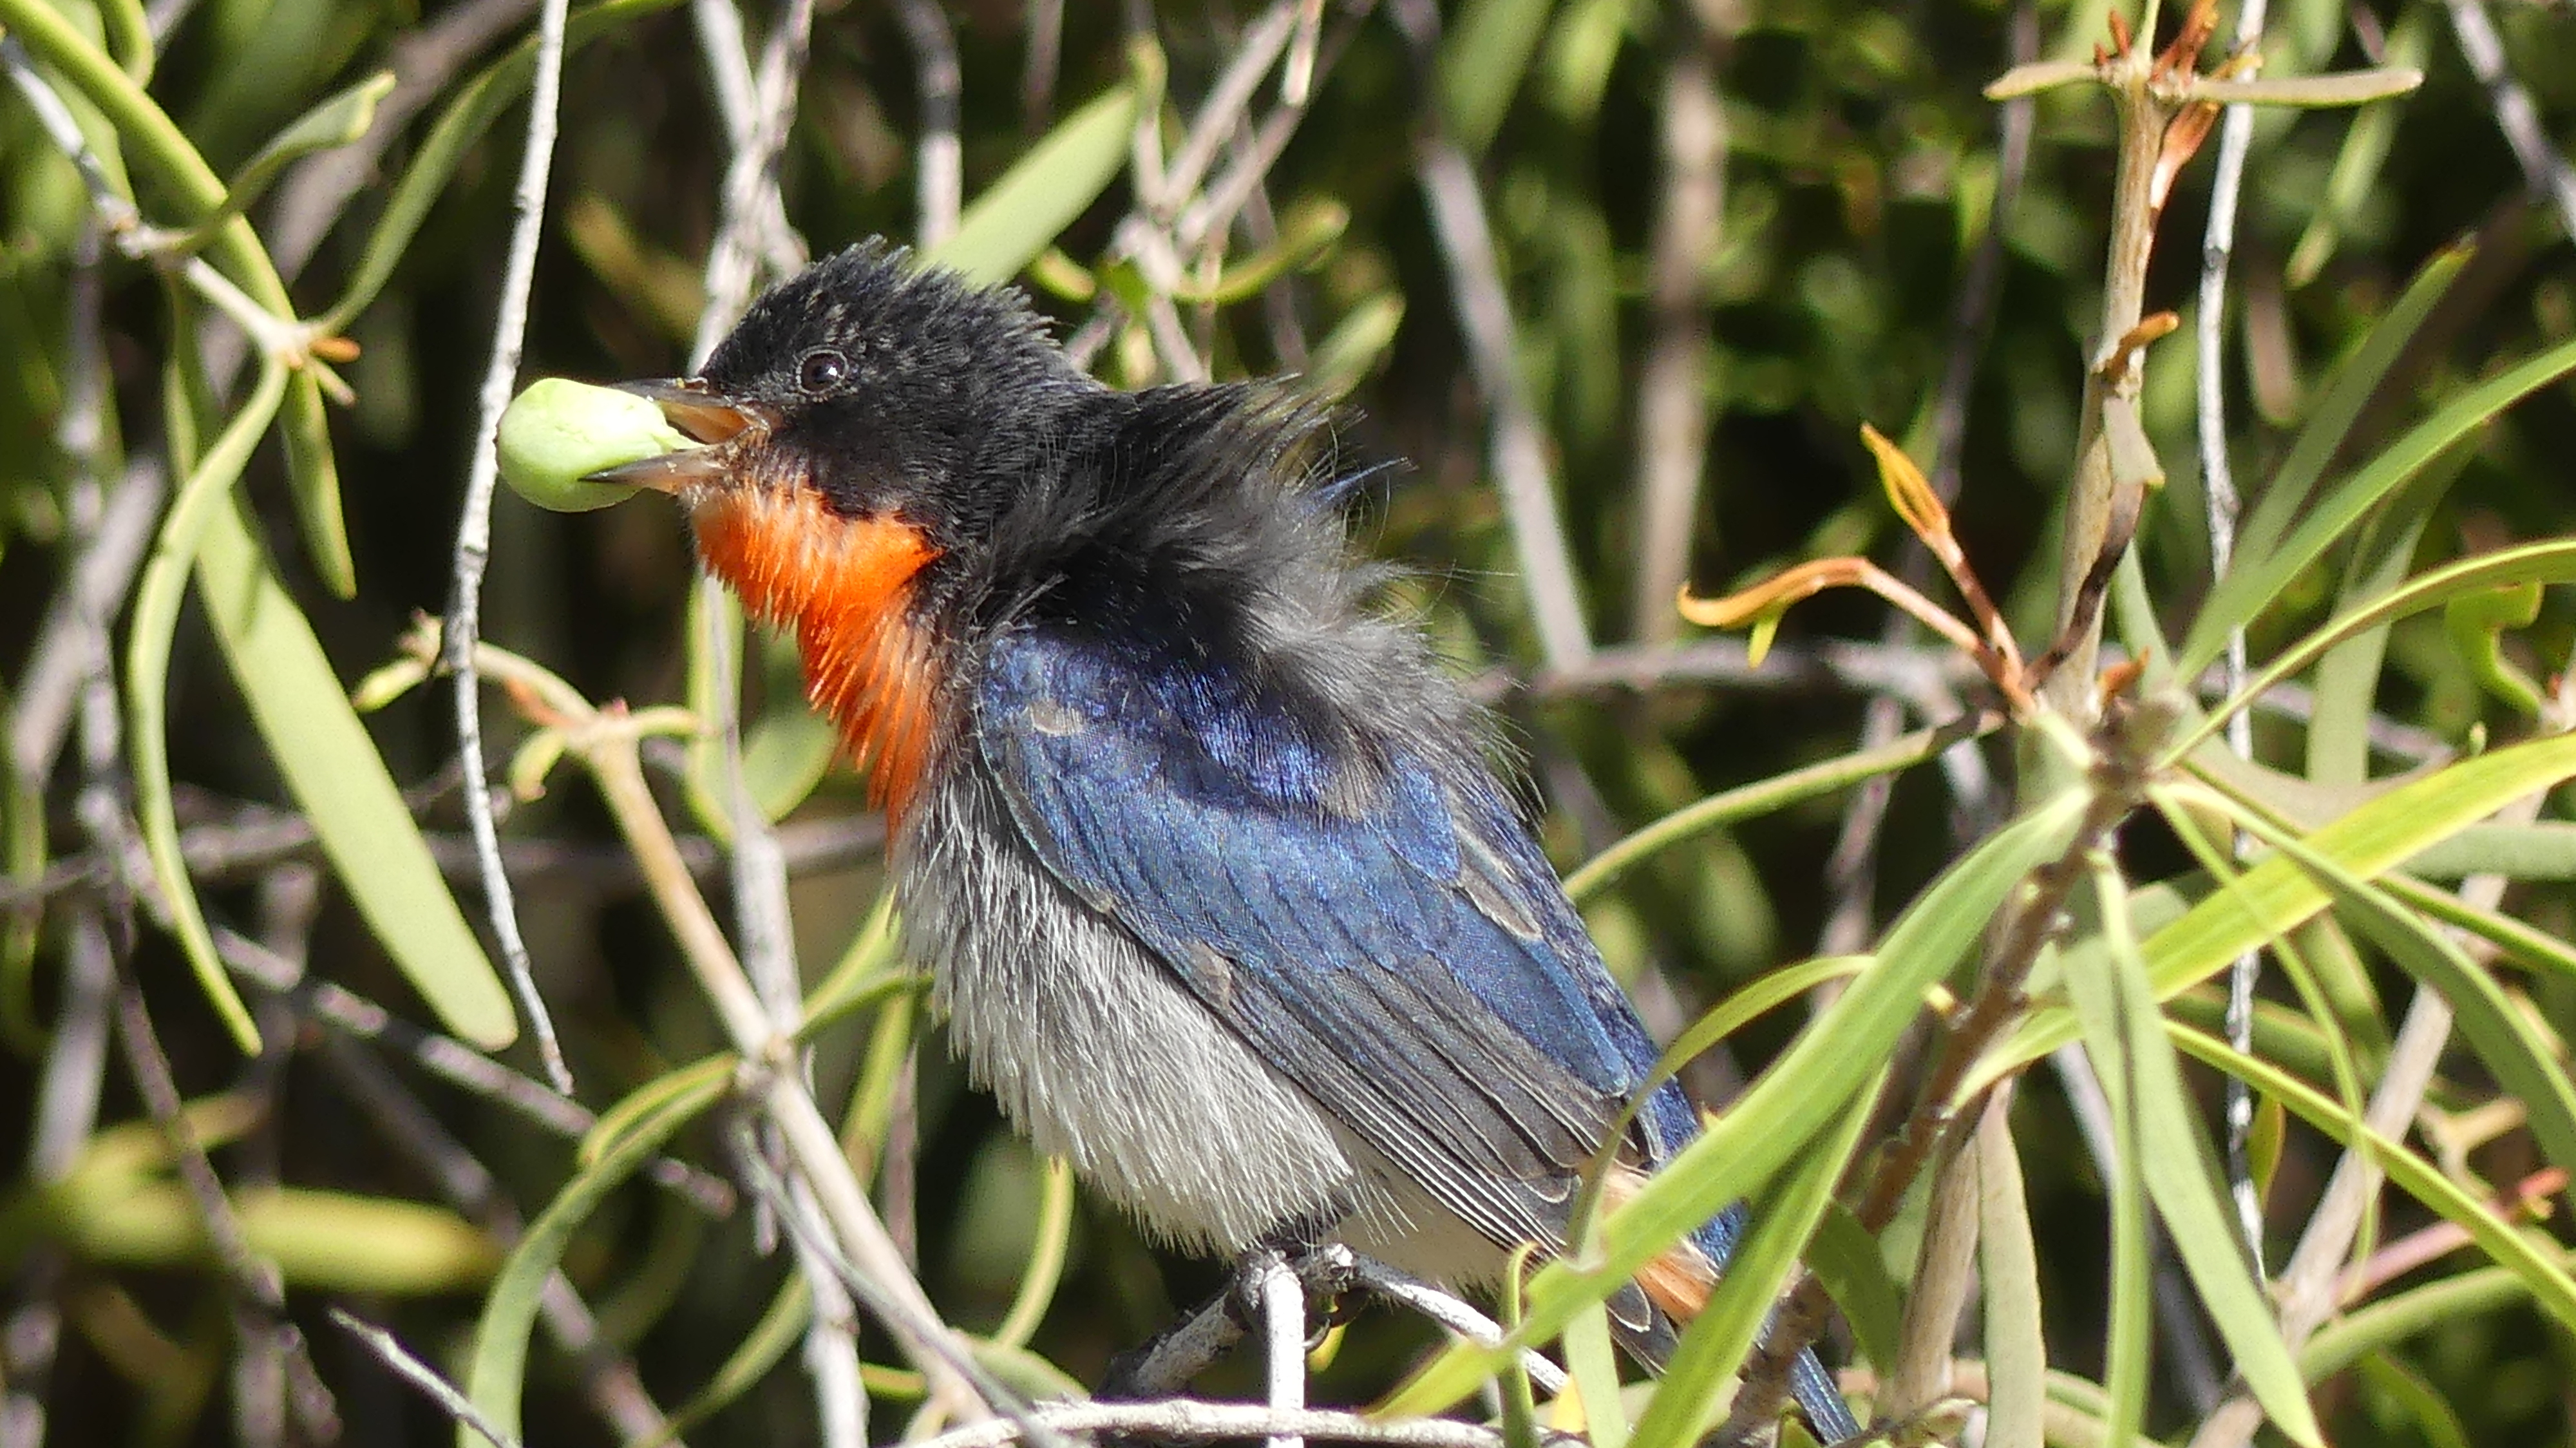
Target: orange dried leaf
1774,594
1908,491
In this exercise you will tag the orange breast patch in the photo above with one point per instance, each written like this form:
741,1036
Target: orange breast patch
844,585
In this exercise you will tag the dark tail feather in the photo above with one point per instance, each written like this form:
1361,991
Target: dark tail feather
1647,1329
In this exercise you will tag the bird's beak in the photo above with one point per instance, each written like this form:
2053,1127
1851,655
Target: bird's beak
723,427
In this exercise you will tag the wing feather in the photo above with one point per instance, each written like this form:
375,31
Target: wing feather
1384,933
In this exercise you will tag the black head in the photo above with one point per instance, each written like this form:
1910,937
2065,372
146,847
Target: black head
883,388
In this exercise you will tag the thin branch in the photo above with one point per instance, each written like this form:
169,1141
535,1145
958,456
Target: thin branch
358,1019
1672,391
2218,489
258,1289
474,531
1516,444
934,58
386,1349
1045,58
1190,1421
2547,173
406,1124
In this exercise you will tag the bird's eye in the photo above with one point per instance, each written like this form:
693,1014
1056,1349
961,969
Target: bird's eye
822,370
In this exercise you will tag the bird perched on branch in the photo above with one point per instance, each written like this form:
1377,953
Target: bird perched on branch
1219,889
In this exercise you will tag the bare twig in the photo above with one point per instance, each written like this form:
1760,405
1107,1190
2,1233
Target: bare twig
1188,1421
934,59
2218,488
388,1350
1672,401
2547,173
259,1291
474,531
1517,446
2309,1287
610,1378
355,1017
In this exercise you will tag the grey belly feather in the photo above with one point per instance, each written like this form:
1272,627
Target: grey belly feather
1100,1055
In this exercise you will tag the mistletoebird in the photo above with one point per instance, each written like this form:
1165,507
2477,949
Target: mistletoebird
1219,889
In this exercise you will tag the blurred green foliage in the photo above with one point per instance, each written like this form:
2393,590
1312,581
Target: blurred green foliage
1856,193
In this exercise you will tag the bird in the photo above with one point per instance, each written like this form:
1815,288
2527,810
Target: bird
1214,868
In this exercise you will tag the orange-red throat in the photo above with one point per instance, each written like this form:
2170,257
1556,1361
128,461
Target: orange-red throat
845,586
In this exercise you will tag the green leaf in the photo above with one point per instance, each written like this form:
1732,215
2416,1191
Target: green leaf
2533,949
2008,1263
2276,895
433,166
2523,1059
2102,1005
779,1328
2181,1173
2347,681
2330,422
1355,346
1593,1364
2356,173
1761,797
1713,1348
1022,213
1848,1260
2542,850
338,779
2476,623
785,754
337,121
2545,1277
1482,62
2389,1320
498,1371
157,593
2253,584
1808,1091
320,1240
2549,562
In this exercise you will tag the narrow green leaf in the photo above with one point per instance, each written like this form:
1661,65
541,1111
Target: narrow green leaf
340,119
1593,1363
2347,681
2545,1277
2533,949
785,754
779,1328
498,1371
1483,60
2523,1059
2548,562
1808,1091
1848,1260
1022,212
1763,797
2277,895
158,590
1355,346
2357,166
2008,1261
320,1240
339,781
2395,1318
1713,1348
2417,1400
2348,88
433,166
2330,421
2251,587
2102,1007
1046,1258
2182,1177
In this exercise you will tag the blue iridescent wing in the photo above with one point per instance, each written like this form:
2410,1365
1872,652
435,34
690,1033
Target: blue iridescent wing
1388,935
